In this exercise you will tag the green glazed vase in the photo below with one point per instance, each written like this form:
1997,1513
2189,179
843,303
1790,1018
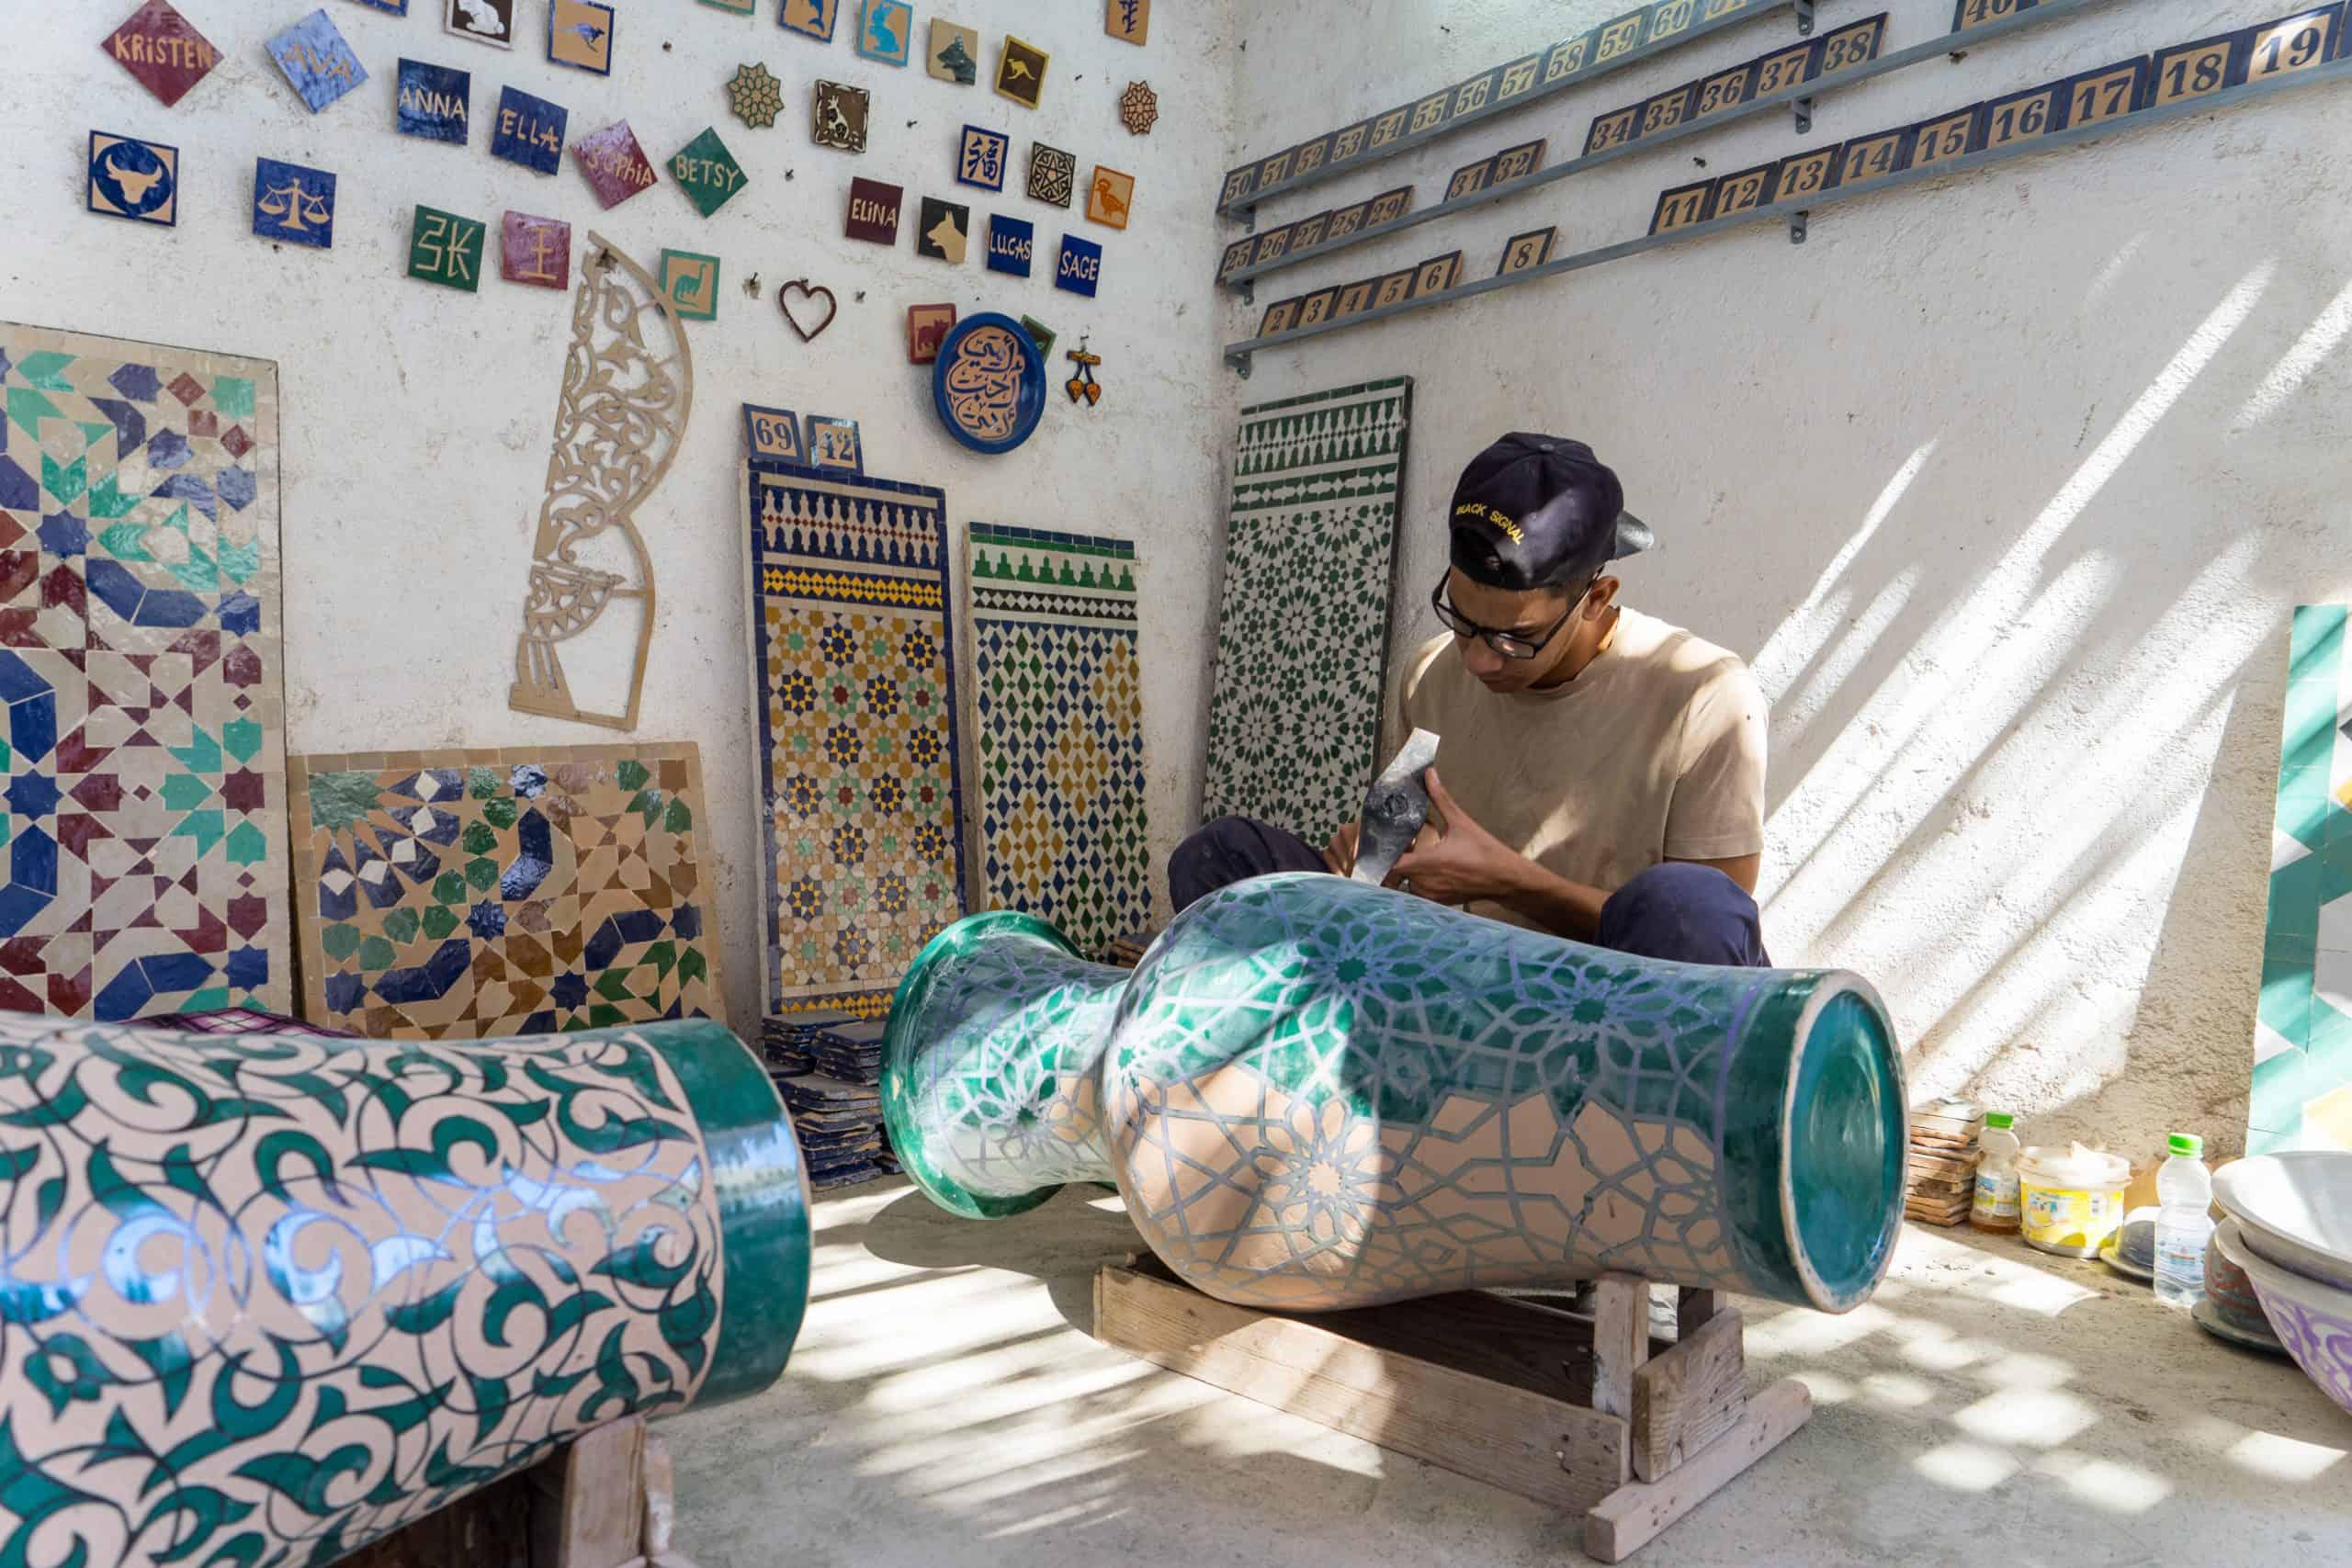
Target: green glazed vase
1313,1094
266,1297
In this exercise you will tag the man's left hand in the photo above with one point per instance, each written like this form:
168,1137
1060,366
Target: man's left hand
1456,861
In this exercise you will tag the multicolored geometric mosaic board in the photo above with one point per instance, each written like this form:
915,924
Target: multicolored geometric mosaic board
461,894
852,672
145,741
1059,705
1302,645
2302,1034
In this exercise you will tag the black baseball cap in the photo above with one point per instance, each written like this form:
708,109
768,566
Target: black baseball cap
1541,511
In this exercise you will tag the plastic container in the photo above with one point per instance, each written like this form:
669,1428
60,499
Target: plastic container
1996,1206
2184,1221
2071,1199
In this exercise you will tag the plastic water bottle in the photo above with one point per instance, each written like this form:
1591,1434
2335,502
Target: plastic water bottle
1996,1207
2184,1221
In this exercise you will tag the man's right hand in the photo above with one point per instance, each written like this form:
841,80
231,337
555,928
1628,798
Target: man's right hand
1340,853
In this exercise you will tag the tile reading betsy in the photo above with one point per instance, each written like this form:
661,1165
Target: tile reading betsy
707,171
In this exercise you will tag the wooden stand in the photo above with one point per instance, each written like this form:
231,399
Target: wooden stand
1585,1412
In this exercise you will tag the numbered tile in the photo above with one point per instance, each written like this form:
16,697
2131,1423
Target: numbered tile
1011,243
1306,158
580,34
1612,129
1308,233
838,115
1682,206
535,250
1280,317
1348,144
1533,249
435,102
873,211
772,435
708,173
1356,298
293,204
1724,90
1237,256
1081,269
1272,243
162,50
1315,309
755,96
1569,57
955,53
2025,116
1388,207
1139,108
1237,184
980,156
1518,163
1948,136
1129,21
885,32
2197,70
1346,220
484,21
1854,44
316,62
1469,179
1623,36
1394,289
690,282
947,226
1868,158
529,131
1428,114
615,165
445,249
1969,15
1436,274
811,19
1806,174
2109,93
1052,173
133,179
1747,191
927,327
834,445
1786,69
740,7
1110,197
2298,42
1020,72
1669,110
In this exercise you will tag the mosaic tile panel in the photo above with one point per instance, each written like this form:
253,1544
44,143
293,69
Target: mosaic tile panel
144,748
2302,1035
858,770
459,895
1059,703
1303,629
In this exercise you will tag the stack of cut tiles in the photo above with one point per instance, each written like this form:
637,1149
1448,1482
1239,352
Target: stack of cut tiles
840,1127
784,1037
1939,1179
1126,952
851,1051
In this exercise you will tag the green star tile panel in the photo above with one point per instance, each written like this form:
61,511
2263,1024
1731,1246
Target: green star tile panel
2302,1033
1303,629
858,768
143,816
459,895
1059,707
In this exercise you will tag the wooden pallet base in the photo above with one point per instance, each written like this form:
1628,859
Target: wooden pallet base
1583,1411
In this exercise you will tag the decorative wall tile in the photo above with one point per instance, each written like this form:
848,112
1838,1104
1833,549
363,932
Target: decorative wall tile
755,96
873,211
980,156
1108,197
535,250
1080,269
691,282
483,21
1020,72
144,800
955,53
772,433
457,894
529,131
580,34
945,227
884,32
1058,706
615,165
926,325
1129,21
445,249
838,115
133,179
813,17
293,204
435,102
316,62
1052,173
835,445
162,49
1302,625
851,671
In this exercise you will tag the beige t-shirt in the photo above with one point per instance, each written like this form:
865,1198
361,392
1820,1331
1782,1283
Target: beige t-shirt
1655,752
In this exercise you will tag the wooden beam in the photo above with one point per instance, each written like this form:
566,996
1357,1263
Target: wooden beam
1689,1396
1620,1340
1694,1307
1525,1441
1635,1514
589,1510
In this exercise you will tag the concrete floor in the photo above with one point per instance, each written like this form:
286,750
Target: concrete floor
1990,1405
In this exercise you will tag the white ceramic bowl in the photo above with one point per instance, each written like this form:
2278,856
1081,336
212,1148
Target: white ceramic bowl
2295,1210
2312,1318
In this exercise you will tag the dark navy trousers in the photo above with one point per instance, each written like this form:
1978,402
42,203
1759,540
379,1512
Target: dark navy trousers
1690,914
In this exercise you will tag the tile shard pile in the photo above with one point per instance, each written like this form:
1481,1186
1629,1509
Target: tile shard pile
1939,1182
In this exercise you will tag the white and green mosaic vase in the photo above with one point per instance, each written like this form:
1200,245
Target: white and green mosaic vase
264,1298
1313,1094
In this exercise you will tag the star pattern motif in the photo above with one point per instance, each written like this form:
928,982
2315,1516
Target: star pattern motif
756,96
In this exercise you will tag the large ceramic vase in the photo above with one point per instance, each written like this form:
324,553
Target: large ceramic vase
1313,1094
267,1297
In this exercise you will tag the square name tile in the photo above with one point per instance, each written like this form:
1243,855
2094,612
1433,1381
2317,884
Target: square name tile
435,102
873,211
1081,270
707,171
616,166
293,204
1012,242
162,50
316,62
772,432
529,131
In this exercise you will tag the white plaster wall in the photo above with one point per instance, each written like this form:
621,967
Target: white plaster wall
416,419
2006,484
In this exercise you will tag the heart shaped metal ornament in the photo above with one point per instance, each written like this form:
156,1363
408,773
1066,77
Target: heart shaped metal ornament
808,294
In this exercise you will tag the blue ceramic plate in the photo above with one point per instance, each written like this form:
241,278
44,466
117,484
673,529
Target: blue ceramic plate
989,384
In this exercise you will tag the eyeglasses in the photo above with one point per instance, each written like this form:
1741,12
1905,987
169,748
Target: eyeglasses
1510,644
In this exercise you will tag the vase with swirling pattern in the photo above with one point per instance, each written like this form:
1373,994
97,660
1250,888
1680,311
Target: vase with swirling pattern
266,1297
1313,1094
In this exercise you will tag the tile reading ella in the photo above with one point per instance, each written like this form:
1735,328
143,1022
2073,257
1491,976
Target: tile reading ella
755,96
435,102
614,164
1129,21
1080,271
133,179
883,33
535,250
580,34
529,131
293,204
837,115
813,18
445,249
945,226
980,157
1020,72
873,211
1052,173
1108,195
707,171
162,49
484,21
316,62
691,282
926,325
1012,242
955,54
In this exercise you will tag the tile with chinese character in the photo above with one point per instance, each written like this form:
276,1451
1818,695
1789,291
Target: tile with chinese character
873,211
837,115
162,49
293,204
691,283
833,443
580,34
615,165
316,62
813,18
884,32
926,325
945,226
484,21
535,250
1081,270
445,249
707,171
1108,195
435,102
955,52
1020,72
529,131
1052,173
980,158
1129,21
134,179
1012,242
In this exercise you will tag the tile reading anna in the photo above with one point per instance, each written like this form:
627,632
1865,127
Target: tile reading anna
435,102
529,131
